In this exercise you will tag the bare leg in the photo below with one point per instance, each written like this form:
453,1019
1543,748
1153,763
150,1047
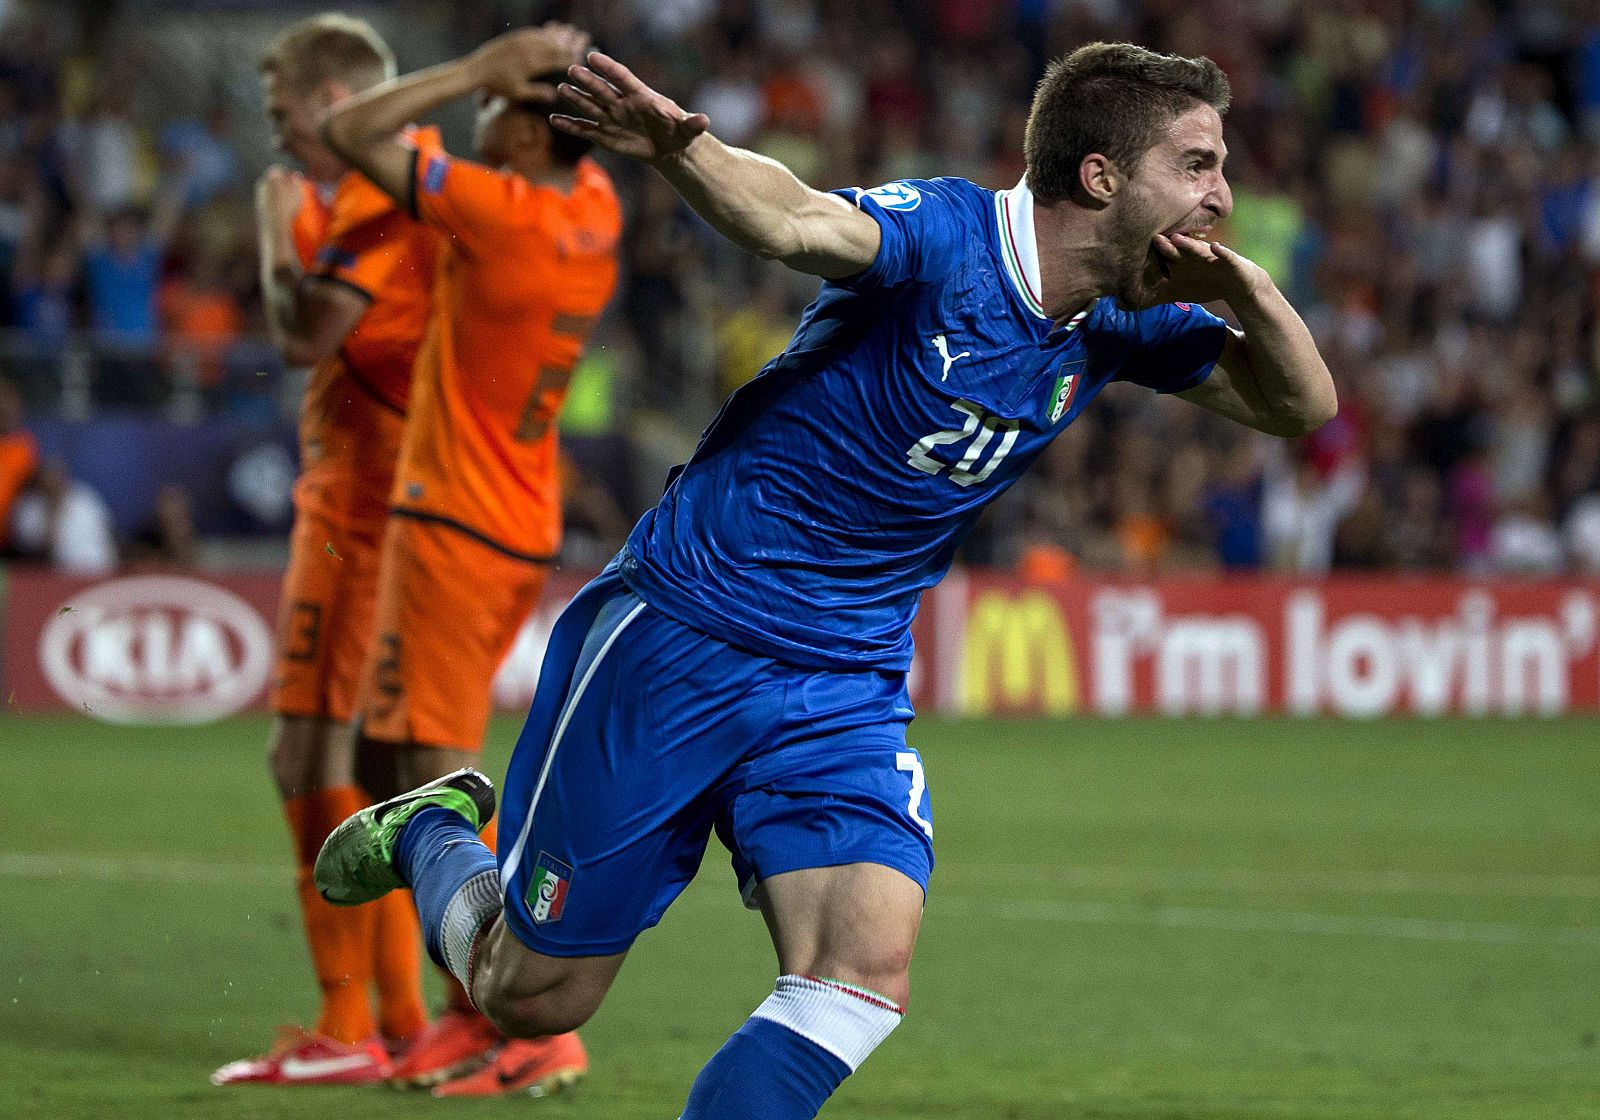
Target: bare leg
856,923
844,937
309,753
527,994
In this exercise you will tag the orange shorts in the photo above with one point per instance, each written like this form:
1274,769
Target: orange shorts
449,608
325,618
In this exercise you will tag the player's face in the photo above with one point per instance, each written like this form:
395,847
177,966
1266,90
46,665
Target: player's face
491,131
1177,187
504,131
293,115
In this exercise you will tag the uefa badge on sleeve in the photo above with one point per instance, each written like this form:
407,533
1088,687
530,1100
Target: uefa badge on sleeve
892,196
548,893
433,176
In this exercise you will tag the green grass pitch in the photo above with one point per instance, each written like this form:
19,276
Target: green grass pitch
1154,920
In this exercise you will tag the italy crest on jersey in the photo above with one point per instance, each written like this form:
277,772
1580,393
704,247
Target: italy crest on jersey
1061,394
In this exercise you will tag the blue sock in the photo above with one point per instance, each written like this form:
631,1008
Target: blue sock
791,1055
765,1070
441,858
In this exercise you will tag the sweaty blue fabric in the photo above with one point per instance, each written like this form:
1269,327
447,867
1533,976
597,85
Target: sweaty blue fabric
765,1070
834,488
645,736
438,852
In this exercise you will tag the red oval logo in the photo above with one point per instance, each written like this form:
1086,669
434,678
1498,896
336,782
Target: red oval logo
157,649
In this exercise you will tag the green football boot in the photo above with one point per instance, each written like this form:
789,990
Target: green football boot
356,863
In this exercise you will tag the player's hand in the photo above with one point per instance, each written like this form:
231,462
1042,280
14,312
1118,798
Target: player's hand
508,65
623,114
279,193
1198,271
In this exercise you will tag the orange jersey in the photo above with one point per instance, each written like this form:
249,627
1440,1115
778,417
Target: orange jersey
524,271
352,415
19,458
310,221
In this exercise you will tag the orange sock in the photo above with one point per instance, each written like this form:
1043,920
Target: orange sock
340,938
455,995
397,966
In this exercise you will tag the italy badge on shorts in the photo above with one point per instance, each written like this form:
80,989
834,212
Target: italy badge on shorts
547,896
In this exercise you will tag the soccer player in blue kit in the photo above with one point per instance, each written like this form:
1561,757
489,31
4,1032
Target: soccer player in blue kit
741,666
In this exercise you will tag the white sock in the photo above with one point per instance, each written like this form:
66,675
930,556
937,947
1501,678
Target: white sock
847,1021
473,906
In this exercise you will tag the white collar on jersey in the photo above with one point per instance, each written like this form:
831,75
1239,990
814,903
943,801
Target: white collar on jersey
1014,213
1020,248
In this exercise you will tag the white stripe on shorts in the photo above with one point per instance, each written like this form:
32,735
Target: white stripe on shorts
514,860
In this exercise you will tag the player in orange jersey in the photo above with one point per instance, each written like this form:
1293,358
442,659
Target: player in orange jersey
346,277
19,453
527,263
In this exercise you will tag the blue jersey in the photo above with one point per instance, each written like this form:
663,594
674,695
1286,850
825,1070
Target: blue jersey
835,487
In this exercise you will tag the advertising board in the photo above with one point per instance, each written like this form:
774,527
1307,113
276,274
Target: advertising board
192,647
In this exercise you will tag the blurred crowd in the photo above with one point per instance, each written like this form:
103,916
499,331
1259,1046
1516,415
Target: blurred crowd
127,234
1421,178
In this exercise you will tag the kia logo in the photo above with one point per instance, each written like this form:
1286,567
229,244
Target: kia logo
156,649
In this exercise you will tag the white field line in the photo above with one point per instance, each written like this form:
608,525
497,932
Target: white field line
1254,881
216,873
109,868
1266,921
161,869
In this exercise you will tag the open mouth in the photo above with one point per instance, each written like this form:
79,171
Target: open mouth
1157,263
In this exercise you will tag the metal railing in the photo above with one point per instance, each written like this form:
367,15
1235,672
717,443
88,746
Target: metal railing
88,373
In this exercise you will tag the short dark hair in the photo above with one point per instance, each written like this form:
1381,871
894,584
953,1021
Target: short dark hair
1114,99
565,148
330,45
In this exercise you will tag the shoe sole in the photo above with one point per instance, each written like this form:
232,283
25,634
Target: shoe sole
439,1076
563,1080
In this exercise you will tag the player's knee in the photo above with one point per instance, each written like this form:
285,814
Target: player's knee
892,986
284,772
291,756
524,1015
884,972
527,994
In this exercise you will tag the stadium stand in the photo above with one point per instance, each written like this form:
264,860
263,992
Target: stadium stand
1421,178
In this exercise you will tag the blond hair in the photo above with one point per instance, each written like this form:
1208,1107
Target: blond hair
330,46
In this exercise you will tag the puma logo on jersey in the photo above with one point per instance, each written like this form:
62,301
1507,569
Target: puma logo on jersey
943,347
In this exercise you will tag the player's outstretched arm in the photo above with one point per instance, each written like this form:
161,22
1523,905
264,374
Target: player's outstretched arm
755,202
308,321
1271,377
365,131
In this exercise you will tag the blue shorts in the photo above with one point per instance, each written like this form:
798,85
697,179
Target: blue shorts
645,735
